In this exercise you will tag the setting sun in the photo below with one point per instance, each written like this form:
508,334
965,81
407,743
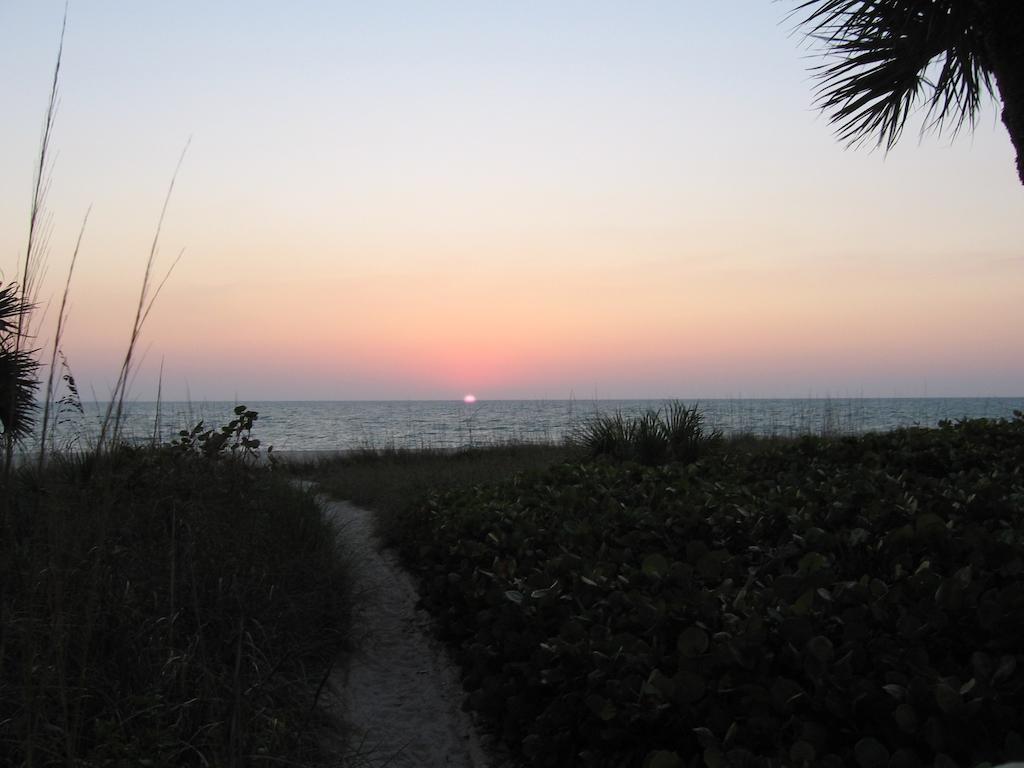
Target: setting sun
469,399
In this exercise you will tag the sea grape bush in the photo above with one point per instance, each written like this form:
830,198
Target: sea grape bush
827,602
233,439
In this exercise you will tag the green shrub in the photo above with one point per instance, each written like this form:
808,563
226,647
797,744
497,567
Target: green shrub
854,601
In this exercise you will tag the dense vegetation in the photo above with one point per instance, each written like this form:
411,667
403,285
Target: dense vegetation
391,480
851,601
172,605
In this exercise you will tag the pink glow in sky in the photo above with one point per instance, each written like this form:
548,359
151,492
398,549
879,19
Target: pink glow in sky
405,200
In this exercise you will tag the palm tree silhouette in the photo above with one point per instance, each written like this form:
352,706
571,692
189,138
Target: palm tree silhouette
18,369
885,57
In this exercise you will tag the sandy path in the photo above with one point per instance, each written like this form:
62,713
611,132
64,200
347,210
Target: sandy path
397,697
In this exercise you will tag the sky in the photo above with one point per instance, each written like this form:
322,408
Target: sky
406,200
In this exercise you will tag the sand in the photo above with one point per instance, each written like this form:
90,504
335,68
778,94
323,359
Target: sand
396,698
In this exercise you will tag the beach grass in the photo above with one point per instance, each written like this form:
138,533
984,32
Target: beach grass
162,607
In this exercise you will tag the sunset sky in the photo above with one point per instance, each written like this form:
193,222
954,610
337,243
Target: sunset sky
417,200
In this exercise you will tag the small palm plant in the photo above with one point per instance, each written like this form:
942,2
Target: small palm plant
685,432
18,369
609,435
675,433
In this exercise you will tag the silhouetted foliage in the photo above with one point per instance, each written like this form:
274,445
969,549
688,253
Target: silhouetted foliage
884,58
675,433
18,368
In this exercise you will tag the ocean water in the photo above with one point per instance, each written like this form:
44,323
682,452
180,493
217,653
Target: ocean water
298,426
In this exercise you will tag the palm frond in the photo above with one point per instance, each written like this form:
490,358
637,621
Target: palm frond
18,367
884,58
10,309
18,384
